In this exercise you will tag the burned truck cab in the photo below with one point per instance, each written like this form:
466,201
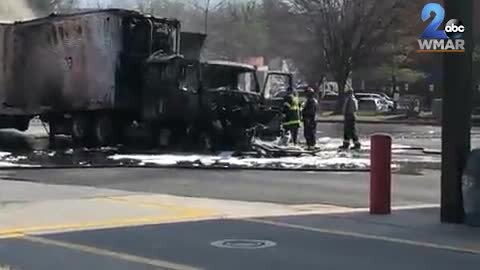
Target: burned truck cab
171,82
171,86
189,100
237,100
232,89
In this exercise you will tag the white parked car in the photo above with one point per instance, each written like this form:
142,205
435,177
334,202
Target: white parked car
372,104
387,104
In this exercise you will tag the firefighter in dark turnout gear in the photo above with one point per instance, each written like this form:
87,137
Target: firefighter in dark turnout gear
350,107
309,114
291,111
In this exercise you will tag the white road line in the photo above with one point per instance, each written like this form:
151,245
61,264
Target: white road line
366,236
108,253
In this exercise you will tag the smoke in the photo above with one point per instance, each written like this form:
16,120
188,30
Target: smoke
15,10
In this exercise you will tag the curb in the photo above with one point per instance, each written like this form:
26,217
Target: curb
217,168
425,151
384,122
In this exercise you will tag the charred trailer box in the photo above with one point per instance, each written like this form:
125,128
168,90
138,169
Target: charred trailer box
6,45
80,62
9,117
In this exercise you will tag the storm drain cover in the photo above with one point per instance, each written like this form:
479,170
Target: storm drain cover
243,244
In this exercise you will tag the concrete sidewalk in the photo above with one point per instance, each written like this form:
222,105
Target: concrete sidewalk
32,208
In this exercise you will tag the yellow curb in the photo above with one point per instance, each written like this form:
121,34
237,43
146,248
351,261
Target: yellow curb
111,224
178,214
139,201
12,235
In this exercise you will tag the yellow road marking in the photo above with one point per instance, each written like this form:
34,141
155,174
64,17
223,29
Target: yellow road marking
366,236
11,233
135,201
112,254
179,214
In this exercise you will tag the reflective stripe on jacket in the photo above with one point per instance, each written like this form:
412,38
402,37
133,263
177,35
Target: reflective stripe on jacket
292,113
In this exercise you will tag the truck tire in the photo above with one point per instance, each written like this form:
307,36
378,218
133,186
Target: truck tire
81,126
103,130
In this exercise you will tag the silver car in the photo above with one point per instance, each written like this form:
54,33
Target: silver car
386,103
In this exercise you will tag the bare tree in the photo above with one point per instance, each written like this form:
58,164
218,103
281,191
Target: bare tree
288,38
63,6
348,31
238,30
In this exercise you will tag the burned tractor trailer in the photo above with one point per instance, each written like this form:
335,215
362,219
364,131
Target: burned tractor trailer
93,75
82,73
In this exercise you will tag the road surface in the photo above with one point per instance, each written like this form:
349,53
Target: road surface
121,219
346,189
145,218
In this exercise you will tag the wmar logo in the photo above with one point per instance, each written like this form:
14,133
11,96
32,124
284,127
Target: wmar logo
437,40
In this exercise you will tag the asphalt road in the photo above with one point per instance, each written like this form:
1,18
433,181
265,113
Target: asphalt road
421,136
346,189
350,241
429,137
188,246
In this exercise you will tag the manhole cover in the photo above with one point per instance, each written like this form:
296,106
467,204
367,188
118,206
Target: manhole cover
243,244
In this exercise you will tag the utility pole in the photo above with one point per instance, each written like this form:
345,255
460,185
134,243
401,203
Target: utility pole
456,123
207,10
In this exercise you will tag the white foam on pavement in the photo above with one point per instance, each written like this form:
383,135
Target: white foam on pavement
327,158
9,160
314,162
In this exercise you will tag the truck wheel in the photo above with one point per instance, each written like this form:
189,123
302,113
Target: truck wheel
103,130
80,130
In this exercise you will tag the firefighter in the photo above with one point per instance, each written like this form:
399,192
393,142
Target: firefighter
291,111
309,114
350,107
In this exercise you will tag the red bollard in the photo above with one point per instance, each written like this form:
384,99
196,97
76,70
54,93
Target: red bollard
380,174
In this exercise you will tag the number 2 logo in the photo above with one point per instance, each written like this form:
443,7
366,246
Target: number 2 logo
432,32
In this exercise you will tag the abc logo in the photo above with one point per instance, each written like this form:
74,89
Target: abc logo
454,29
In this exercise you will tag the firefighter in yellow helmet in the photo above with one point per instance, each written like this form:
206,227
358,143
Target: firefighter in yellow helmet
291,112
